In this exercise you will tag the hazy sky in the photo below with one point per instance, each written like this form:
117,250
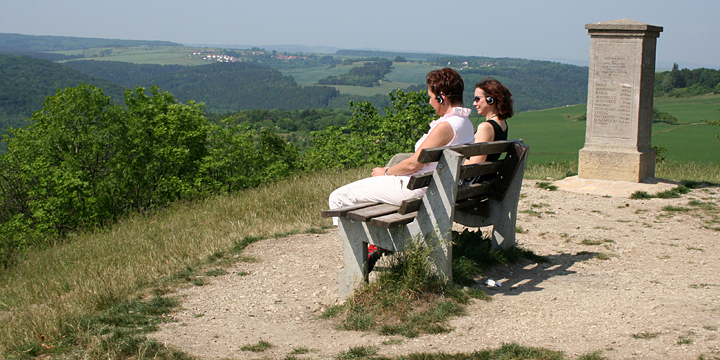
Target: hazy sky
528,29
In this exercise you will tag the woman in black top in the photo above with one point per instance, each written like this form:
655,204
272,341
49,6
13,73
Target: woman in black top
493,101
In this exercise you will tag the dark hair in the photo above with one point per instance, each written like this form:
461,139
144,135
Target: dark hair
447,82
501,94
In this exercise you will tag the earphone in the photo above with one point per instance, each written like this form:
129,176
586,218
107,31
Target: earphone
489,100
441,100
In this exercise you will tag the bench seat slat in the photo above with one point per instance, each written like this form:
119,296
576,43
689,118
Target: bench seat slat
345,209
392,220
410,205
367,213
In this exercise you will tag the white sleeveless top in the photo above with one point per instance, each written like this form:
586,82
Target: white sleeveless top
463,133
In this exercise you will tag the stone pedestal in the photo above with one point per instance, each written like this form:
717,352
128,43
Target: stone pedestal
620,102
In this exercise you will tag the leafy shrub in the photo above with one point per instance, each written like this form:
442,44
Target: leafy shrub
85,161
370,138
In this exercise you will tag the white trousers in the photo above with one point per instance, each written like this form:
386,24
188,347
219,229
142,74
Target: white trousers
385,189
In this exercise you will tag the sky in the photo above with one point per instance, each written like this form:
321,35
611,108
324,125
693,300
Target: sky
529,29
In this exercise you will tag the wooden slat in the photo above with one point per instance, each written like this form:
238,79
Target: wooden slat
466,171
475,190
475,206
488,167
486,148
392,220
420,180
370,212
409,206
345,209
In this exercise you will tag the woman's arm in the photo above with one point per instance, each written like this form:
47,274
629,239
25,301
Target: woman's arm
485,133
440,135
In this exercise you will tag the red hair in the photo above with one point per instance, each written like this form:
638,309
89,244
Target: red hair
500,94
447,82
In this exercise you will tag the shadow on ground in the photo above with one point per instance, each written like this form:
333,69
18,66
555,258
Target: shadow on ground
529,275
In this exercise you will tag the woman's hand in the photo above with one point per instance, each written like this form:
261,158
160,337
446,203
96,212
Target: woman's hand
379,171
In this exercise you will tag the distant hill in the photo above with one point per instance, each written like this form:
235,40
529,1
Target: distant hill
223,87
19,42
390,54
25,82
126,74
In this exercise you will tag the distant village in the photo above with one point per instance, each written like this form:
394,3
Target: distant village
228,58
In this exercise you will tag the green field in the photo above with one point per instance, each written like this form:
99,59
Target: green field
310,76
555,135
411,72
159,55
401,76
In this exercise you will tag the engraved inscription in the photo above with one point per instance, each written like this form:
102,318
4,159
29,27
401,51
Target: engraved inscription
612,95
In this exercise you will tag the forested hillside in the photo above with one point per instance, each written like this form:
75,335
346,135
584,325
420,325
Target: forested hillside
19,42
223,87
367,75
534,84
25,82
123,73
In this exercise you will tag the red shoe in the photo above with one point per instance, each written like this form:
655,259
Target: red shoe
371,249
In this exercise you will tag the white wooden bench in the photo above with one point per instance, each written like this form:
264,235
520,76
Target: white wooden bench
490,202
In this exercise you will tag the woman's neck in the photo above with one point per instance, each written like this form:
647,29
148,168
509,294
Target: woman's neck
447,111
492,116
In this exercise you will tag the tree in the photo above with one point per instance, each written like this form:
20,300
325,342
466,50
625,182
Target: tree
370,138
164,145
57,175
85,160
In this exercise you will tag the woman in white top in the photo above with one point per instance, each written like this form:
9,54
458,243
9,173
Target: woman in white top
389,184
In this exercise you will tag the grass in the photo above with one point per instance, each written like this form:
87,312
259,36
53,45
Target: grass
68,298
51,292
507,351
359,352
645,335
409,299
160,55
261,346
689,141
546,185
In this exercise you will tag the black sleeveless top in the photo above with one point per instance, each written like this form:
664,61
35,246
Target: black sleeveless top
499,135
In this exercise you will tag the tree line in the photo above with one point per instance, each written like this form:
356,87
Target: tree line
19,42
86,161
367,75
687,82
223,87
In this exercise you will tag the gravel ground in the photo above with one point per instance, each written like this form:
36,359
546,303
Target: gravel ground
625,277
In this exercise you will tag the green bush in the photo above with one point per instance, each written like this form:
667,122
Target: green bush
371,139
85,161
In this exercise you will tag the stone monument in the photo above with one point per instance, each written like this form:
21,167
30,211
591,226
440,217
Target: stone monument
620,102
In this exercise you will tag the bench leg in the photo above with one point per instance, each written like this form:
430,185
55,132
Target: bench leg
503,234
355,254
440,244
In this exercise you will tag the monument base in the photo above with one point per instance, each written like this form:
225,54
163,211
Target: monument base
611,165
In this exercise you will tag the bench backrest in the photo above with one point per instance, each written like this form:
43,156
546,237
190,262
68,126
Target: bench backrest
504,170
467,198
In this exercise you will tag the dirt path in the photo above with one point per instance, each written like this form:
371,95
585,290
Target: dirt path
656,296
